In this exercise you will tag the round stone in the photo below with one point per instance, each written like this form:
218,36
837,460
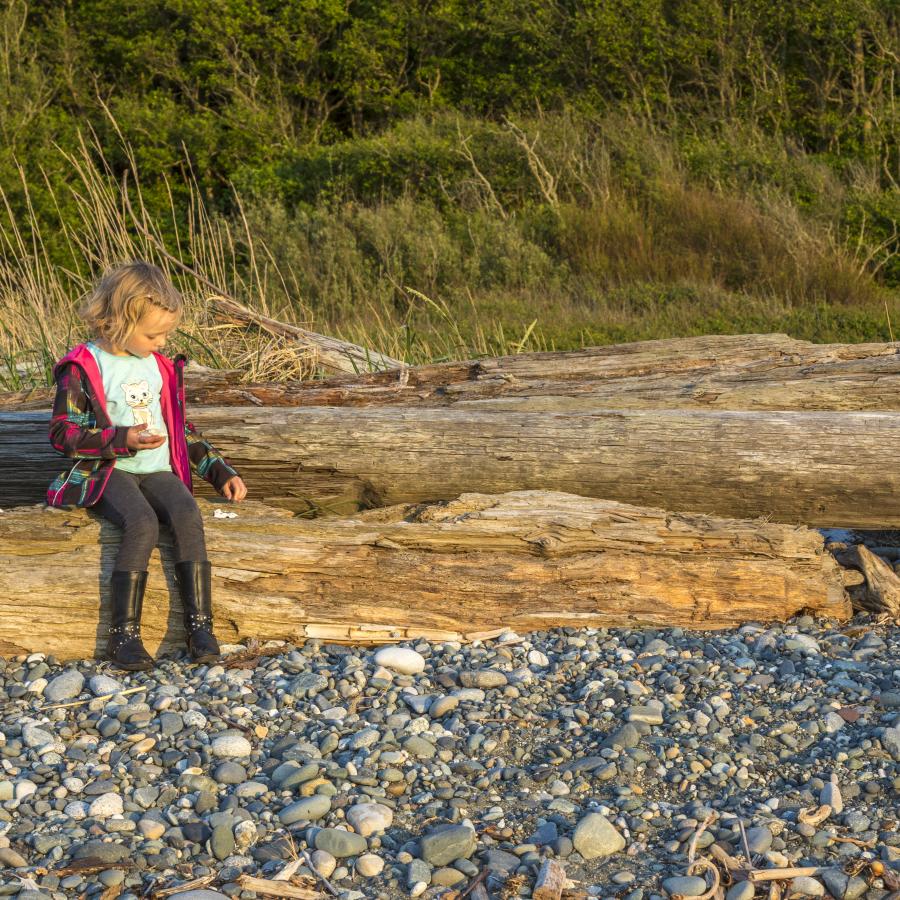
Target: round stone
440,706
222,841
369,865
306,810
230,772
807,886
66,686
401,659
688,885
596,836
370,818
340,843
104,685
36,737
743,890
106,805
229,746
323,862
443,845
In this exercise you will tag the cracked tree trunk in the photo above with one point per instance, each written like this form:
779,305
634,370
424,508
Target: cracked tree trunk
470,567
819,468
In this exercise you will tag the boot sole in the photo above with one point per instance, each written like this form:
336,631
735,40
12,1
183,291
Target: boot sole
134,667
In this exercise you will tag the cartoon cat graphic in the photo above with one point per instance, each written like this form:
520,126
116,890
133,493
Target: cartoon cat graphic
137,396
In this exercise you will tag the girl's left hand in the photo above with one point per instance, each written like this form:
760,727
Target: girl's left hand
234,489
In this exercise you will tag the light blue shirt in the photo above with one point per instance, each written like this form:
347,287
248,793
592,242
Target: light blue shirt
132,386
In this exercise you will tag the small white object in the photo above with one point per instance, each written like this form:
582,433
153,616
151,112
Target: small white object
224,514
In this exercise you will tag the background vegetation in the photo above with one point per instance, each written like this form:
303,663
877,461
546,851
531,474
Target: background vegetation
441,178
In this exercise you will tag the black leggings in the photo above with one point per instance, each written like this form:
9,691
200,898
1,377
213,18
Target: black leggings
138,503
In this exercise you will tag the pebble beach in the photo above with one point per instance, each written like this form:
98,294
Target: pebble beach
414,770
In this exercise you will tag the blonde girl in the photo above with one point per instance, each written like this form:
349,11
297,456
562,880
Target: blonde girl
119,413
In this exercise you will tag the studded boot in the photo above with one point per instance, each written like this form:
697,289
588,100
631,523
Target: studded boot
124,646
195,586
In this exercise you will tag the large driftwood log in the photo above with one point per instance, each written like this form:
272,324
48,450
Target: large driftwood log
822,468
523,561
739,372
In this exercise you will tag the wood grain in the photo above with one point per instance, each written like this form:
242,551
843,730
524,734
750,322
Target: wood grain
469,567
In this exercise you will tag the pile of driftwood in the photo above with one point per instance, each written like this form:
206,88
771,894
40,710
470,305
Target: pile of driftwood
663,482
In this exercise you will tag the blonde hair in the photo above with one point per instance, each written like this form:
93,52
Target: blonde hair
124,294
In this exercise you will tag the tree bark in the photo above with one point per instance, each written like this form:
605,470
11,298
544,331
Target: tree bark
723,372
830,469
473,566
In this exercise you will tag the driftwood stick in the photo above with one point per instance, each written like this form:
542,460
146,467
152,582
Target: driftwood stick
882,583
269,888
759,875
333,354
692,848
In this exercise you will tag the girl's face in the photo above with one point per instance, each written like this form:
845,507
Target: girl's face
151,332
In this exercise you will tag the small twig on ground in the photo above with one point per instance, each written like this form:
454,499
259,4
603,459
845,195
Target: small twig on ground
161,893
248,658
478,879
88,866
746,846
692,848
855,841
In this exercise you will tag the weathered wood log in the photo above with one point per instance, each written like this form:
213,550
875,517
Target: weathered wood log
477,564
822,468
882,585
739,372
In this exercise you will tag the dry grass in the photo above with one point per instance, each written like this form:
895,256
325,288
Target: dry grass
614,240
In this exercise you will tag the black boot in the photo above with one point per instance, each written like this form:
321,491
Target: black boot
195,586
124,646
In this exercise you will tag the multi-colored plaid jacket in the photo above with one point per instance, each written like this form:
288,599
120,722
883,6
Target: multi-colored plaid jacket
80,429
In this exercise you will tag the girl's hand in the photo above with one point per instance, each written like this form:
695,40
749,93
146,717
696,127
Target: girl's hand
136,440
234,489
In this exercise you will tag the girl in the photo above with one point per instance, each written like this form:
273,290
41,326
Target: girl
119,412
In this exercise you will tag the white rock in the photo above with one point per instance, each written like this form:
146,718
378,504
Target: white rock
78,809
66,686
831,794
369,865
24,788
401,659
35,736
101,685
151,829
323,862
536,658
106,805
245,835
193,718
370,818
229,746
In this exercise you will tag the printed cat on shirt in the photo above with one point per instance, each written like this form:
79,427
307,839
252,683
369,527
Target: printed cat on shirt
137,396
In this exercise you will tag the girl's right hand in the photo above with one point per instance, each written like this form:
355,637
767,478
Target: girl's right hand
138,441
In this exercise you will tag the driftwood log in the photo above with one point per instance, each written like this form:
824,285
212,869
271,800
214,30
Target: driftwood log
816,468
722,372
464,568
